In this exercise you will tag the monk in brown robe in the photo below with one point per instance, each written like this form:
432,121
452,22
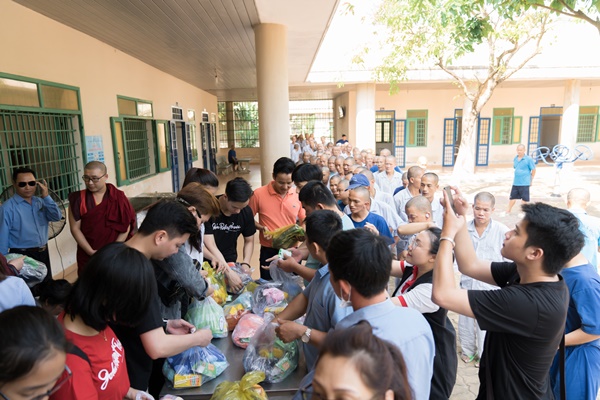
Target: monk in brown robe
100,214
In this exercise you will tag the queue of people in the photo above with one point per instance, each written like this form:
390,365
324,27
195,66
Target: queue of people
522,291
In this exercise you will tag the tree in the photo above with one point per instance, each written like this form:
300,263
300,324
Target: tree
421,34
588,10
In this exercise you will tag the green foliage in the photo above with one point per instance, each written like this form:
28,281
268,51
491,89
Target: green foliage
418,34
586,10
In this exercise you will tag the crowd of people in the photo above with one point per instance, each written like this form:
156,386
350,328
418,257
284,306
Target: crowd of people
524,292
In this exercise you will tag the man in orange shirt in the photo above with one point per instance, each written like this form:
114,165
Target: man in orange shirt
277,205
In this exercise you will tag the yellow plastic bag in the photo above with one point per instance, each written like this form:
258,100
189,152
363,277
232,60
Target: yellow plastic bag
245,389
217,281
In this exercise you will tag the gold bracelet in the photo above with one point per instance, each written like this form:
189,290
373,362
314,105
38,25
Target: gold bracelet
448,238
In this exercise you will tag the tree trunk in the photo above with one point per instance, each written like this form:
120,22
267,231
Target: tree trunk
464,166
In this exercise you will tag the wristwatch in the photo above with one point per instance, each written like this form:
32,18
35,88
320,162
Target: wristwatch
306,335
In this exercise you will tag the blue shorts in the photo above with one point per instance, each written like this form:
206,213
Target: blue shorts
519,192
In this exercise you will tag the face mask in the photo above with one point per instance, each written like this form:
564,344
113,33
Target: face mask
345,303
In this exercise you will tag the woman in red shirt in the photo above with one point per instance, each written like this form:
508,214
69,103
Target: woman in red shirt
116,286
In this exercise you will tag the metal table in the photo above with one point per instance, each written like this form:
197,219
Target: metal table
244,169
235,371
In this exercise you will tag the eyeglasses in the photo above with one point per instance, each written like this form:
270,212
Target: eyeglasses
23,184
414,243
59,383
92,178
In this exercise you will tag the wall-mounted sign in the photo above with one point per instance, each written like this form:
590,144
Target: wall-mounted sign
95,149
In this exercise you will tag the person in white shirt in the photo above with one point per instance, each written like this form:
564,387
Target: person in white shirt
487,236
390,179
413,189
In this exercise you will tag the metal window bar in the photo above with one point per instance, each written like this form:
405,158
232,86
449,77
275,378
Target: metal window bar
45,142
135,137
586,131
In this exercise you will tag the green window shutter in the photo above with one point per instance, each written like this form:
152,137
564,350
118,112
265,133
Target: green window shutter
119,150
517,129
161,138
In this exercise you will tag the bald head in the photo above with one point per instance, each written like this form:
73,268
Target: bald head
369,175
419,203
96,165
385,153
363,193
578,197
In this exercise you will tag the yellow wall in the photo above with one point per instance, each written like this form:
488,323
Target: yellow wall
35,46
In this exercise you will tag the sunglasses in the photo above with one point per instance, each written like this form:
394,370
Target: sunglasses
23,184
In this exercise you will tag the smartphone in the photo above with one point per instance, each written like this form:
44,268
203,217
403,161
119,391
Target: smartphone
283,253
450,198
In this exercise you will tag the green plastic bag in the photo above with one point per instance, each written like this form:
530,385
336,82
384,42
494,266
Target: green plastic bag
285,237
247,388
207,314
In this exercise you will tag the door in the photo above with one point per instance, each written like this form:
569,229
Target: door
187,147
400,142
483,142
383,136
204,145
175,178
212,146
449,142
533,137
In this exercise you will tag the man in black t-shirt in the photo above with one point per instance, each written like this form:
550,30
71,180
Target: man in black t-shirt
167,227
525,319
234,220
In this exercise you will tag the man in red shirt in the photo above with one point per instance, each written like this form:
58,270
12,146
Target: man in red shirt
277,205
98,215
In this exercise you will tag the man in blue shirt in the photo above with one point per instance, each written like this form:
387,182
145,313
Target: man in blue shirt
25,219
343,140
232,157
318,300
524,172
359,201
360,266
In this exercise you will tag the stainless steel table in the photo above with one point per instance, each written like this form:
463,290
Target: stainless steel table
235,371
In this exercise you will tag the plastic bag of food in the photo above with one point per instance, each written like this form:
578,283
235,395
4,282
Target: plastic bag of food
244,271
269,297
290,281
237,308
285,237
247,388
195,366
267,353
33,271
246,329
207,314
217,281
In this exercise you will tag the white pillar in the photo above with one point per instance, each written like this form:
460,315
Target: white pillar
273,96
365,116
570,118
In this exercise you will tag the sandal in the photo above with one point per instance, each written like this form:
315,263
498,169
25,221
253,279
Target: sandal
477,363
466,359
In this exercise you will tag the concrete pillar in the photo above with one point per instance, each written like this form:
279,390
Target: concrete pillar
570,118
365,116
273,96
229,118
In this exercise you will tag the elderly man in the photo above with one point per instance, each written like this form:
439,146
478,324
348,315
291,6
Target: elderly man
414,187
390,179
578,200
25,219
524,172
98,215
